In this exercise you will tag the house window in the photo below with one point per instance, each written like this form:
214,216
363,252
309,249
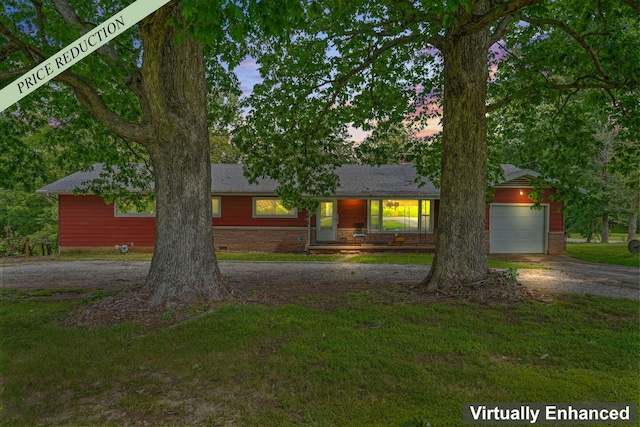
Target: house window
216,210
147,207
143,207
398,215
271,208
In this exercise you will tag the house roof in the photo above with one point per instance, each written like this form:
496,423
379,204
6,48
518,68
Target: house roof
357,181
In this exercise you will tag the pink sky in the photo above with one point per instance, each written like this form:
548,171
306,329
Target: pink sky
249,76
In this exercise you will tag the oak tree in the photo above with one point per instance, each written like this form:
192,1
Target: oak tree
148,87
364,62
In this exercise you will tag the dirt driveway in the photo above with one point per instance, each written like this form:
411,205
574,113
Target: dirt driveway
569,275
564,275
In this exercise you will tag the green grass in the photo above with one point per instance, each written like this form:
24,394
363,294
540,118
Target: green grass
385,258
42,292
380,258
424,259
360,364
275,257
607,253
613,235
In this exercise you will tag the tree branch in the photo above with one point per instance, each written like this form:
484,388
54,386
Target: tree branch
500,30
34,55
437,42
577,37
502,10
558,111
70,17
343,80
633,5
8,75
8,50
507,99
90,99
37,4
576,85
604,86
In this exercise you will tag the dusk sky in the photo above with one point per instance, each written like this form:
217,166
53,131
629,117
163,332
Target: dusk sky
249,76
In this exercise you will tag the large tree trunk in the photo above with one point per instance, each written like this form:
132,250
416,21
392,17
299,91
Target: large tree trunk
460,256
184,265
605,228
633,220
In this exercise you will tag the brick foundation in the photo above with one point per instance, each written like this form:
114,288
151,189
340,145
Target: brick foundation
556,243
104,249
260,239
293,239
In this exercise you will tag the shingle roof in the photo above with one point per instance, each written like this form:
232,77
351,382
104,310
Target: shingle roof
355,181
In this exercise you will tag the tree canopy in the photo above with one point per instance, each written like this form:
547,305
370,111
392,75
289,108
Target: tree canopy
368,63
148,89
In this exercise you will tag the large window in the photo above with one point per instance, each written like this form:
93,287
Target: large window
407,216
271,208
147,207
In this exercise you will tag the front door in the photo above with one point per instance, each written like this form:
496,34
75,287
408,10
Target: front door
327,219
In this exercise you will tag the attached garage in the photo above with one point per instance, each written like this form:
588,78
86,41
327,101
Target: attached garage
517,229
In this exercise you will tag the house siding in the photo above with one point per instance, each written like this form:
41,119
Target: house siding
88,222
237,211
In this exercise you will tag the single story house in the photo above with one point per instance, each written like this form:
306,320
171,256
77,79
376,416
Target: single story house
375,208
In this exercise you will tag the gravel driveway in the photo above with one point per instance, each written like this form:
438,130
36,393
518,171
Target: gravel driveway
564,275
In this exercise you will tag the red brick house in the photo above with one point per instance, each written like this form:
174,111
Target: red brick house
375,208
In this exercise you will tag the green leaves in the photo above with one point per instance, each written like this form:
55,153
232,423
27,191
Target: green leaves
571,75
577,141
26,213
335,64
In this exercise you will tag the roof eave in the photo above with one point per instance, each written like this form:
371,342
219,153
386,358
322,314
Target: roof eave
520,174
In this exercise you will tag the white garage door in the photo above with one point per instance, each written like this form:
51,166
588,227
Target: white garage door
516,229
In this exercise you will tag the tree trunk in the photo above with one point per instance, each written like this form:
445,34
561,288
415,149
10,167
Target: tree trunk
460,256
184,266
633,220
633,227
605,228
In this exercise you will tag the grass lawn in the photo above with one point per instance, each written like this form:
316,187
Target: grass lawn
423,259
608,253
276,257
360,364
379,258
613,235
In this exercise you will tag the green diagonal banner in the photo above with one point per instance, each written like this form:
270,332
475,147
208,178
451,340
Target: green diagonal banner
76,51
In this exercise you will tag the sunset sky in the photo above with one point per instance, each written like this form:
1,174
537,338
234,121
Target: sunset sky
249,76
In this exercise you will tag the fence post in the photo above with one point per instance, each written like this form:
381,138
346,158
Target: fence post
27,252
